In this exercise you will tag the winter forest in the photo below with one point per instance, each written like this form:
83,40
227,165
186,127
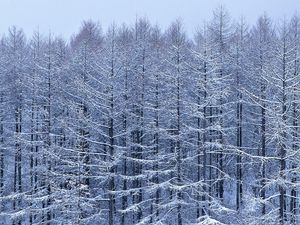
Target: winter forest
138,125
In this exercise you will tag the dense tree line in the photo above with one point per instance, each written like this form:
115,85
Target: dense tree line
136,125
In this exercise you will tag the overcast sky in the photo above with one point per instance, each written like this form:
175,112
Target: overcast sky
63,17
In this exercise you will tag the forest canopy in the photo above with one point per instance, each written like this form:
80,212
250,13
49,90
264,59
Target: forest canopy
139,125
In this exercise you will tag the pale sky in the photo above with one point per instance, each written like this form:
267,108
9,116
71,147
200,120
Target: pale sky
64,17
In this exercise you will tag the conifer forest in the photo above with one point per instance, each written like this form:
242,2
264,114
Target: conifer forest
137,125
